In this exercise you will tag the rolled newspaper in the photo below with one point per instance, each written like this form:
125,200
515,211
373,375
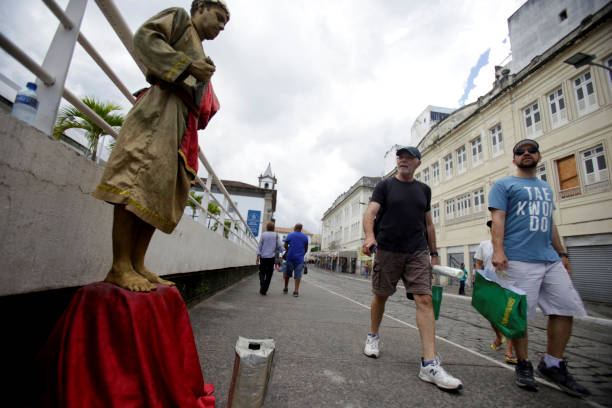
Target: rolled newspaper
448,271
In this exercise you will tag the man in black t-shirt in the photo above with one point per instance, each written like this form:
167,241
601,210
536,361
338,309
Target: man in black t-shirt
405,240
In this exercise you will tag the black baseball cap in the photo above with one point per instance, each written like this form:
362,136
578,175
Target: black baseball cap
523,143
411,150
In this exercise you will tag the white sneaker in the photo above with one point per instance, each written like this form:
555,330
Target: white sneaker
371,346
435,374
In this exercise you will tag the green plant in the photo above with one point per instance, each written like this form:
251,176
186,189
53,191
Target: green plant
72,118
190,203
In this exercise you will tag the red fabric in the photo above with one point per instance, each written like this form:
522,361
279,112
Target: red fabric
189,146
116,348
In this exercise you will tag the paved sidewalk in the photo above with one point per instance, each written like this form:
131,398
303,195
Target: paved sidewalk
319,359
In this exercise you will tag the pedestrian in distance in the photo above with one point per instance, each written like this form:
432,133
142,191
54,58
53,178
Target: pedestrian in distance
269,248
527,245
296,245
483,257
398,225
462,279
154,161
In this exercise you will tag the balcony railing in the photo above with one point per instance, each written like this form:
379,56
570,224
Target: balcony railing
570,192
51,77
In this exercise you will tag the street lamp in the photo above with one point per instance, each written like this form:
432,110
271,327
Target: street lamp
581,59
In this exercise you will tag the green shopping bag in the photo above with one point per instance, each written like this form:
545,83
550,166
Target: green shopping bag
436,297
503,305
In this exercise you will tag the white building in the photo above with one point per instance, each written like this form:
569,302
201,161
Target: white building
431,116
255,204
342,230
539,24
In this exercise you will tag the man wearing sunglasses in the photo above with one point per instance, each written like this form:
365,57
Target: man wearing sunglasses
526,244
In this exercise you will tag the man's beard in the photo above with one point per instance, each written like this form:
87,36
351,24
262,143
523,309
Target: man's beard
534,163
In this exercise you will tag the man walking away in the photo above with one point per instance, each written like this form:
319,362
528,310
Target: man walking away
296,245
527,245
268,249
405,240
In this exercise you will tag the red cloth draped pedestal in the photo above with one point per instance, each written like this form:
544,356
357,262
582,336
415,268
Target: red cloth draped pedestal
116,348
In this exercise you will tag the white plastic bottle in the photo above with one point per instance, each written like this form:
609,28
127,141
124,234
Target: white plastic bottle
26,104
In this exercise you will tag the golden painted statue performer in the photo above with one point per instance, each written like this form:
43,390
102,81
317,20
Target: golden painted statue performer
154,161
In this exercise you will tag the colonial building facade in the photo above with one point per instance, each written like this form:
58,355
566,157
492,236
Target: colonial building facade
342,228
568,111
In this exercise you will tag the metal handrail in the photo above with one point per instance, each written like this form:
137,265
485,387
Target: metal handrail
221,187
59,13
104,66
244,235
14,51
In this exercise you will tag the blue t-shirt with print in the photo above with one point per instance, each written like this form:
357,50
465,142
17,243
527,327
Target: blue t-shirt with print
528,203
297,247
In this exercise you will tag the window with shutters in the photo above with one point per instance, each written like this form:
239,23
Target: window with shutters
584,89
426,176
461,160
479,200
463,205
418,176
595,168
435,213
541,173
448,166
477,156
556,104
497,142
435,173
532,121
450,209
569,183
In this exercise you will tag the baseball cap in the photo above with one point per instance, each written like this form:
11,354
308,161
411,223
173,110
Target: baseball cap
411,150
523,143
489,223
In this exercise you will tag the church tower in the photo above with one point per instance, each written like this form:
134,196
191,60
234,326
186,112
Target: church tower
267,180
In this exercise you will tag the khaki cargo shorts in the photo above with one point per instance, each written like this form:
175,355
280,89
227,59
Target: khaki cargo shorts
413,268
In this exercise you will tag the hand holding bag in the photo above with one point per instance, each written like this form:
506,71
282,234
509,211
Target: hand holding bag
501,303
276,251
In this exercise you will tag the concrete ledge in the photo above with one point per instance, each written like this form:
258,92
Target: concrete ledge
54,235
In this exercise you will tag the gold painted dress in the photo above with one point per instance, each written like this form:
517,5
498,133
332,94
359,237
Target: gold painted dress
146,170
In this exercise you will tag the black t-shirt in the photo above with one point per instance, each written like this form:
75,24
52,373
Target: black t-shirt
400,222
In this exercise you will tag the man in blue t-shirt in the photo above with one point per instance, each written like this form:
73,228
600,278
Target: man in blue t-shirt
526,244
296,245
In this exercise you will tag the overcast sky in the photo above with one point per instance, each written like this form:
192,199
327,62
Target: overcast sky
319,89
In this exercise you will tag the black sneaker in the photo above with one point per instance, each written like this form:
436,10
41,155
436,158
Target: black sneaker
524,375
285,291
295,294
561,377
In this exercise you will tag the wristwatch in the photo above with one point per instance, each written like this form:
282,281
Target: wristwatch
564,254
433,253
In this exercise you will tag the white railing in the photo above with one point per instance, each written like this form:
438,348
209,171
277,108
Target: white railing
51,77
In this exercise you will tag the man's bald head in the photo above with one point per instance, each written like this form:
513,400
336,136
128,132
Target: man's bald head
298,227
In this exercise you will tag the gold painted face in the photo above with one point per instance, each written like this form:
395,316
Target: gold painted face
209,21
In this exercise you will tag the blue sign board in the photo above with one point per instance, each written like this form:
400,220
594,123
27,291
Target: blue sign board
253,218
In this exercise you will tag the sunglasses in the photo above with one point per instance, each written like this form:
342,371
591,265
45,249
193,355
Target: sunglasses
520,152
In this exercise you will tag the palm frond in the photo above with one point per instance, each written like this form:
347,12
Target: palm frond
70,117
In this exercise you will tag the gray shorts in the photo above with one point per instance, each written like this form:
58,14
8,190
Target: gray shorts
547,285
414,269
